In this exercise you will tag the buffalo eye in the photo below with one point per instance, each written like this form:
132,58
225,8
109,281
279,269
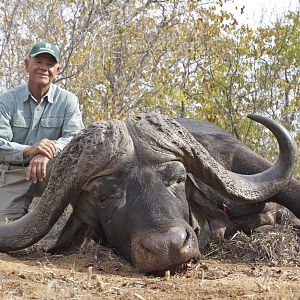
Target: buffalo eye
102,197
175,179
174,173
180,180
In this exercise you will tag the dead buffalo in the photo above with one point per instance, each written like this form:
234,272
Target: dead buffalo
153,191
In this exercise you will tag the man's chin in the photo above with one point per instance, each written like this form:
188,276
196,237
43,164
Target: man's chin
43,83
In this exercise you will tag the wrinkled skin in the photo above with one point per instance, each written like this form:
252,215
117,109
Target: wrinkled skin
148,189
146,229
237,157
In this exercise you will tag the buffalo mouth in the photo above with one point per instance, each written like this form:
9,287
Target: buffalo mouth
170,250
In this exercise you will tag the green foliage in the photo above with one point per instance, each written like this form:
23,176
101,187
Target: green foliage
181,58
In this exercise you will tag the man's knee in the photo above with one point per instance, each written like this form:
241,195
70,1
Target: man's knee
16,193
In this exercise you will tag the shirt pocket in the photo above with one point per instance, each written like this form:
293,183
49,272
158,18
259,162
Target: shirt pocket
52,127
52,122
21,125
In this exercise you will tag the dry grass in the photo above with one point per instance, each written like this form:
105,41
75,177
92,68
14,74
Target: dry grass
275,245
239,269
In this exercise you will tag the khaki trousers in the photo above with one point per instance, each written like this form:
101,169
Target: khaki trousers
16,193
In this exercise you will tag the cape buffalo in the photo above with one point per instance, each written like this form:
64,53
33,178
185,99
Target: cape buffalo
153,191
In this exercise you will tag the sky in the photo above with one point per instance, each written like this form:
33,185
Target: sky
256,11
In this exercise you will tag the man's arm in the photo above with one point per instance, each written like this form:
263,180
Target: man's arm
13,152
40,153
44,147
36,155
36,170
9,151
72,123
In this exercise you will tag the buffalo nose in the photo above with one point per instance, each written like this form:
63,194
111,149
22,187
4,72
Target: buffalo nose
174,240
157,251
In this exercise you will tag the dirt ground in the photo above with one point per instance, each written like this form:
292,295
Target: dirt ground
96,272
263,266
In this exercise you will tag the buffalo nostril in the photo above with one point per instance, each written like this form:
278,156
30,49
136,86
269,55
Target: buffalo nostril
174,239
177,237
156,251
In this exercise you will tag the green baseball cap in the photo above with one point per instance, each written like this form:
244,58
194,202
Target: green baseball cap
44,47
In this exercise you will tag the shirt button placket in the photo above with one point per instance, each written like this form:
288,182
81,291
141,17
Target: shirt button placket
35,121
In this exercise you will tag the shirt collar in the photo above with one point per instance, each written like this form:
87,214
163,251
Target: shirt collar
48,96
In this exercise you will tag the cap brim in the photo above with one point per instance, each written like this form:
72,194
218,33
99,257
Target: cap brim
44,51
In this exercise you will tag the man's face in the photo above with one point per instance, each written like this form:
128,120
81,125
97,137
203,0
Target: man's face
42,69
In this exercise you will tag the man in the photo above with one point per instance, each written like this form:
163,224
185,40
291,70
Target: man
37,120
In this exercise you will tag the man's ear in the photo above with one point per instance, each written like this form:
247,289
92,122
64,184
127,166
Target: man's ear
58,68
26,62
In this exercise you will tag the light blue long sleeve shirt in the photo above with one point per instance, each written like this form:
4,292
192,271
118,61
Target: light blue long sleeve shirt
24,121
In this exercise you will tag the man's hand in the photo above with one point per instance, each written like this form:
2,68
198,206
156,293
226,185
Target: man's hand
36,171
45,147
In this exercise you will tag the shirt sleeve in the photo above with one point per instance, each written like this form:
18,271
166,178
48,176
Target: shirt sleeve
9,151
72,123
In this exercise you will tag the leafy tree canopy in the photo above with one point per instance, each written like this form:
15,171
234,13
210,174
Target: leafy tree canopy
180,57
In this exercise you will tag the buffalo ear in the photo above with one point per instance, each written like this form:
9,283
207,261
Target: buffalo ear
206,218
79,228
73,236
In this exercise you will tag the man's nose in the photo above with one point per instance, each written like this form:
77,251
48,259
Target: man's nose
44,67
